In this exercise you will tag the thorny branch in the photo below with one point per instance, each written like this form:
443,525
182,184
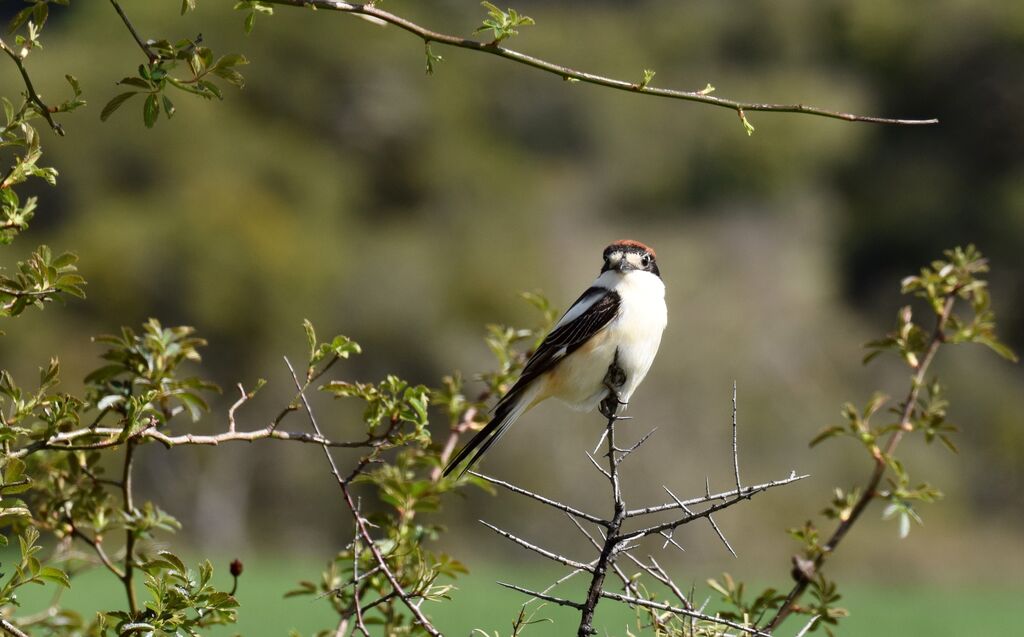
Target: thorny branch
870,491
615,541
539,498
611,541
566,73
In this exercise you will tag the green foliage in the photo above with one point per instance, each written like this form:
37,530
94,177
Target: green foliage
740,608
181,603
939,285
37,11
30,570
432,58
19,135
40,279
646,79
401,475
252,9
748,128
141,380
502,24
153,78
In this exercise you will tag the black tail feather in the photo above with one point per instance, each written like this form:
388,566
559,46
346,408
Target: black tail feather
484,438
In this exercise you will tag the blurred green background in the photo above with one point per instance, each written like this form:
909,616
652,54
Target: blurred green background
406,211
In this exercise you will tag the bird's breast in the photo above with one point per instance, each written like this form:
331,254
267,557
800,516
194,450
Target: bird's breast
638,328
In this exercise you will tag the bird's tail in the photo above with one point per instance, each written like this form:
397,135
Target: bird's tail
508,410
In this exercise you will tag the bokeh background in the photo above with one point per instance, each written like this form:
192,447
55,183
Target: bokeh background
406,211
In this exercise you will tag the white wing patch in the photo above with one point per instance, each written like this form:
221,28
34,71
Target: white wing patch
582,305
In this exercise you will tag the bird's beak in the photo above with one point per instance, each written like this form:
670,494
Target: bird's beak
623,265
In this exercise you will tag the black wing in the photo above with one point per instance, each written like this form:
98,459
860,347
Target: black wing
562,341
567,338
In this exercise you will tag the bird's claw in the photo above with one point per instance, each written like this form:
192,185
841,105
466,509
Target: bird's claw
610,406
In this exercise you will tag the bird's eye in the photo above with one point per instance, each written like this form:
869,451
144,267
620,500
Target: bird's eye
645,260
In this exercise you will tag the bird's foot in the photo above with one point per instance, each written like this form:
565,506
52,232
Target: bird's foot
614,379
609,407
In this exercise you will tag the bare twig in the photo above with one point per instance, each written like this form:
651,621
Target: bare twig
360,624
807,627
598,466
878,471
100,552
639,443
555,557
714,525
567,73
11,629
735,443
672,524
64,441
539,498
635,601
658,573
153,57
745,493
544,596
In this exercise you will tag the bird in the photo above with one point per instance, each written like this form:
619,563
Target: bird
596,354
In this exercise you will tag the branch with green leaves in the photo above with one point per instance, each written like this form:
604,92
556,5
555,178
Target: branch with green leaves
504,24
138,396
943,286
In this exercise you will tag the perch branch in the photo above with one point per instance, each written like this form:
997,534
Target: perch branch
612,540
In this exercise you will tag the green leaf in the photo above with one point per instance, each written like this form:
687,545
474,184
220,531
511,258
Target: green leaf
137,82
54,575
168,107
827,433
647,77
747,126
998,348
151,110
115,104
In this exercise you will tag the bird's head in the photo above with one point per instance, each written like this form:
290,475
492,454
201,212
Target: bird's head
626,255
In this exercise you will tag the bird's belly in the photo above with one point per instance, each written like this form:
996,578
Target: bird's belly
638,336
578,380
631,340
